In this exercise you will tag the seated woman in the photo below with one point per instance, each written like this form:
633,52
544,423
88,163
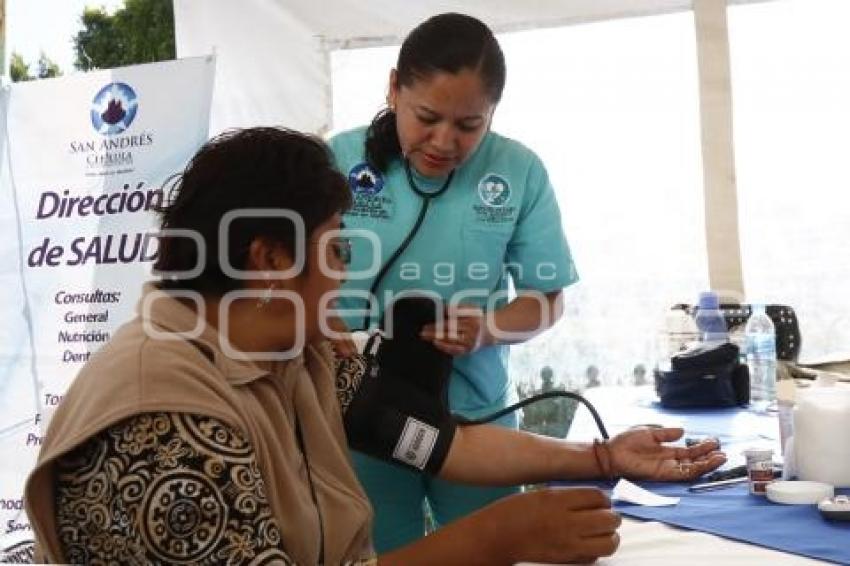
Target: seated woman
208,429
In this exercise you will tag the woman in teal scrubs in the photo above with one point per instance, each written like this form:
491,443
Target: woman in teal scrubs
458,211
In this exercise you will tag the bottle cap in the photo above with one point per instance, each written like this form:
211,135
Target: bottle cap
708,300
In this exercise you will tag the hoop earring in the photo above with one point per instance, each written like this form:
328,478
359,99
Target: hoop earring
266,297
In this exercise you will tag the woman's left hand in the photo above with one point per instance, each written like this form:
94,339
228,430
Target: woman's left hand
639,454
462,331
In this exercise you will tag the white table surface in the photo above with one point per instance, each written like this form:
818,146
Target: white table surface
650,543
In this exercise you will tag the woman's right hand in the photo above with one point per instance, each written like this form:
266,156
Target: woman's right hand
558,525
554,525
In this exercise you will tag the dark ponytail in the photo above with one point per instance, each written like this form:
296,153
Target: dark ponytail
382,143
446,43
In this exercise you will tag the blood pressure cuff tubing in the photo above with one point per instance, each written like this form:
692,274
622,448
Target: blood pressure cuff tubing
399,410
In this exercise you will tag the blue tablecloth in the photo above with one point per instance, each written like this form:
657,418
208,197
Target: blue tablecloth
734,513
731,512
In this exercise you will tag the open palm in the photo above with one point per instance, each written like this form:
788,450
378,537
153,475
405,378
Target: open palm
640,454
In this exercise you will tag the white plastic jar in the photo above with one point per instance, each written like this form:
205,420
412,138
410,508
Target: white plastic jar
821,424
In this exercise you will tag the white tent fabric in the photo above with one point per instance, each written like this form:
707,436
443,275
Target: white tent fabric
273,55
274,68
271,67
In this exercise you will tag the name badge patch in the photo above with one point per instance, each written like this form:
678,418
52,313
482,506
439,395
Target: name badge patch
366,184
494,194
365,179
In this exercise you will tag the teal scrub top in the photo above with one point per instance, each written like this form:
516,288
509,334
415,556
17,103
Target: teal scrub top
498,219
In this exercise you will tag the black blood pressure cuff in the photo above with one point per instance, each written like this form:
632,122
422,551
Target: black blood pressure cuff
398,411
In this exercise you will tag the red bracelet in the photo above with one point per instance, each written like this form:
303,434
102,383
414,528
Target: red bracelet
603,458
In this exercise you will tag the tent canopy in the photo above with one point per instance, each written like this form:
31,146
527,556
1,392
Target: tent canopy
274,67
273,62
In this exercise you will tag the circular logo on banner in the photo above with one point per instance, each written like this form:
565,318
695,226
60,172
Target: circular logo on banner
494,190
113,108
364,179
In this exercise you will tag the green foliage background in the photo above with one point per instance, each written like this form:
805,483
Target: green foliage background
550,417
140,32
19,70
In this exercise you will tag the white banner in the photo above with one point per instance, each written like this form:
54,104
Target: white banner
85,160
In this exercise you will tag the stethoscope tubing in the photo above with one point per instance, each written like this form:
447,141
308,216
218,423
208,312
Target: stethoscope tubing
427,197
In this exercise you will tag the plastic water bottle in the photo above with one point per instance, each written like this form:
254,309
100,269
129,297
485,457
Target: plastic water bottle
761,358
709,319
680,331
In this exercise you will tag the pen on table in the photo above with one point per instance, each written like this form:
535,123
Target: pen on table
708,486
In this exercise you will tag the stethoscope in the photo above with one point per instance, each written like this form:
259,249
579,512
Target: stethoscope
427,197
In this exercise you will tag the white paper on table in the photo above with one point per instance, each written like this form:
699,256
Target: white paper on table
631,493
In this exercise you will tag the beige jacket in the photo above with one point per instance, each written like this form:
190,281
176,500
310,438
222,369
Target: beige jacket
136,373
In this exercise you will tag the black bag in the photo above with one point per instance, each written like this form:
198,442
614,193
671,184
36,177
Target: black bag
705,376
788,338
